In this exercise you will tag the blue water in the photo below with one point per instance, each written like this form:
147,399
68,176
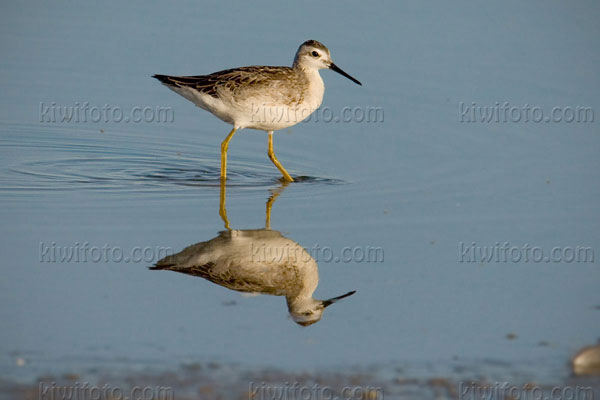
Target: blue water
416,184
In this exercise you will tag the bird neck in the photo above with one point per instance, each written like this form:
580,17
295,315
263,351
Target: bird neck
296,300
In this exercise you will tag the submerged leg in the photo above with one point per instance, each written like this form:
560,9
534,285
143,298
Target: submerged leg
275,161
224,147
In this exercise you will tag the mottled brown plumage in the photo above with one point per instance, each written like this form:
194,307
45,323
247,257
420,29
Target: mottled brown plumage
256,261
249,274
283,84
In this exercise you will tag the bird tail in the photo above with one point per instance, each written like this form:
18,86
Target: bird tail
165,263
157,267
166,79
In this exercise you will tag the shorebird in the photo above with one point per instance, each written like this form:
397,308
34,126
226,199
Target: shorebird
256,261
261,97
587,361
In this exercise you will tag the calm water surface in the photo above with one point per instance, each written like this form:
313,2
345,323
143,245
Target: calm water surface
420,185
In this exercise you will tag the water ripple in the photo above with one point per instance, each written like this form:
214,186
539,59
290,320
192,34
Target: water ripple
75,161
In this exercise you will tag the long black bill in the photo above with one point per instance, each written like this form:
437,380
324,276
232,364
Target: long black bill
329,302
337,69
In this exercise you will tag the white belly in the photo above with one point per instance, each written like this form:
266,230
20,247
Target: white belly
258,112
272,118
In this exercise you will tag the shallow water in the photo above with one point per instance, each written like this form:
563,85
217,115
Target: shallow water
419,185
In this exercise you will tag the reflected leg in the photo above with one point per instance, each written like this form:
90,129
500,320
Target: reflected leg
222,209
274,194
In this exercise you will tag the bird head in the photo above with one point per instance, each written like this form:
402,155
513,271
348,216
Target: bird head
308,311
313,55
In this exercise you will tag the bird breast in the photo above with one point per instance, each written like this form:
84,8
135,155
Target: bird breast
283,106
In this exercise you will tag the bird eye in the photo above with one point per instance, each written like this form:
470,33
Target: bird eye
315,54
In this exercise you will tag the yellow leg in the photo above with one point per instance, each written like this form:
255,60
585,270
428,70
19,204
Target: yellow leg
222,209
275,161
224,147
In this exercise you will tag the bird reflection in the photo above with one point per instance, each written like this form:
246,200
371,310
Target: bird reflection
256,261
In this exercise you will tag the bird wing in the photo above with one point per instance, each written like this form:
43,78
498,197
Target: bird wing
283,83
227,279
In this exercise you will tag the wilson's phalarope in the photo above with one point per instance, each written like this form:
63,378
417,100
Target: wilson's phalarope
260,97
256,261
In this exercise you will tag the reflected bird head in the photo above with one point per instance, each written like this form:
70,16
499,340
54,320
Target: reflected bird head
309,311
